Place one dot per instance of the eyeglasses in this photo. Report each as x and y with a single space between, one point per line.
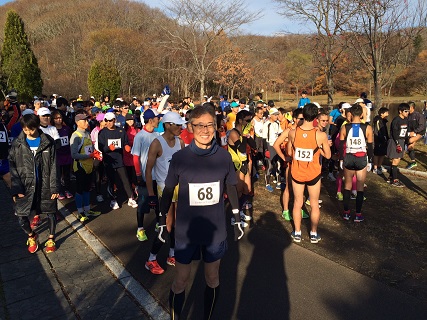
108 120
57 118
174 124
201 126
126 108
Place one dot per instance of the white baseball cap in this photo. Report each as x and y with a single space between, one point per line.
43 111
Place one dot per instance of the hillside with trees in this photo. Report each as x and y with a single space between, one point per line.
201 51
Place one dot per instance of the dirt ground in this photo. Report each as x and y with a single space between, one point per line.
389 246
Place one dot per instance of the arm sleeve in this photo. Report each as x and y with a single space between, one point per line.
137 165
341 149
232 196
370 151
165 203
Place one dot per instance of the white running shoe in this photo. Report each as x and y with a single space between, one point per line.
244 224
114 205
132 203
99 198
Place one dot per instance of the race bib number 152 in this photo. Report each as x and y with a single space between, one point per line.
204 194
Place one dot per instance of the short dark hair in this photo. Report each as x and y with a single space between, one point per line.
61 102
402 107
30 121
356 110
200 111
242 115
310 112
297 112
382 110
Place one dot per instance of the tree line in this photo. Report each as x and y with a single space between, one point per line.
122 47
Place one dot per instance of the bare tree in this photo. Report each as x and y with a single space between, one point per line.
328 17
379 34
200 27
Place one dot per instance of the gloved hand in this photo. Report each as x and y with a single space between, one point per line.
91 155
97 155
399 149
267 154
238 231
128 148
153 202
369 167
341 164
112 147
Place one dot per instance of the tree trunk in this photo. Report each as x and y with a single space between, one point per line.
377 89
330 84
202 86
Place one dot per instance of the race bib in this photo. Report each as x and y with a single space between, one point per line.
354 142
10 140
403 132
2 136
224 140
204 194
304 154
64 141
88 150
117 143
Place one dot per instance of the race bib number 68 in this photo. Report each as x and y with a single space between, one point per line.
204 194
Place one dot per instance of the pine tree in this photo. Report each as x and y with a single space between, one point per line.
19 66
104 76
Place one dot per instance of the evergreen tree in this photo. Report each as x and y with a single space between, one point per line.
104 76
19 67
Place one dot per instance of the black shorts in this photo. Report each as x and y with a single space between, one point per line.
309 183
351 162
185 253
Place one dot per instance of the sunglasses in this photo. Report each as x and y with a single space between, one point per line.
45 115
300 118
109 120
174 124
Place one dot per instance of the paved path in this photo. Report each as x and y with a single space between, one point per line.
98 273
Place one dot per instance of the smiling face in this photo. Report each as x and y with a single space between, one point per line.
203 129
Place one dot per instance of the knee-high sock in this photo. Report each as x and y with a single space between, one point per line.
339 184
176 302
346 199
359 201
412 155
211 296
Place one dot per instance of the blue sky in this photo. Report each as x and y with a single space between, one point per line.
268 25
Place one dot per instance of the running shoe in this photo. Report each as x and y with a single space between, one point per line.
82 217
140 234
269 188
92 213
296 237
346 215
411 165
50 246
154 267
353 196
35 222
114 205
279 186
245 217
375 171
61 196
286 215
380 171
304 214
315 238
132 203
99 198
68 194
340 196
244 224
331 177
307 202
358 217
171 261
32 244
397 183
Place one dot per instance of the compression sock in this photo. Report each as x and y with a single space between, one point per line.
176 302
393 173
359 201
346 198
86 199
211 296
354 183
339 183
79 202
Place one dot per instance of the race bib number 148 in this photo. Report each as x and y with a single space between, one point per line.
204 194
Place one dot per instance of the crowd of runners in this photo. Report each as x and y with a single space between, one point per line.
184 162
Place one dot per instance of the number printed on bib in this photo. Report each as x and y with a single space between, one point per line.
403 132
64 141
204 194
354 141
304 154
2 136
117 143
88 150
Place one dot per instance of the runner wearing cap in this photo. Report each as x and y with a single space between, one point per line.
270 131
139 151
112 141
159 156
231 116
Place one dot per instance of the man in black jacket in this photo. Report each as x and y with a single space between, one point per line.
32 161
